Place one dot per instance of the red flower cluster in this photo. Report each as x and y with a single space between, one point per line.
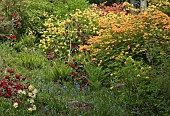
13 37
79 74
18 24
15 18
10 85
50 55
10 71
116 8
1 18
14 15
74 74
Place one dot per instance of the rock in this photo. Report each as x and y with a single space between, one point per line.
82 106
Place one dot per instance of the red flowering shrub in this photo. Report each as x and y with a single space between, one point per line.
9 27
15 88
79 74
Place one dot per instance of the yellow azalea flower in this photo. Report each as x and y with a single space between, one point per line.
56 50
112 57
34 91
30 109
31 101
111 74
19 91
117 58
138 75
94 59
23 92
15 105
111 87
34 107
108 53
126 52
30 94
39 45
33 96
30 88
42 36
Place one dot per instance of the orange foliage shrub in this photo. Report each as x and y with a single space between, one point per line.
127 33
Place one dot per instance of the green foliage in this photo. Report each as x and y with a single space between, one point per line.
60 71
96 1
145 98
8 7
162 5
8 55
25 42
35 12
65 7
8 28
143 87
108 2
95 74
157 52
140 89
12 9
31 60
2 65
28 40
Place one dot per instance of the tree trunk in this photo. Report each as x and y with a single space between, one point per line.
133 2
143 5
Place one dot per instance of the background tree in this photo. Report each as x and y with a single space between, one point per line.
143 5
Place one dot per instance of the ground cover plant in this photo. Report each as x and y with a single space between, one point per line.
74 58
